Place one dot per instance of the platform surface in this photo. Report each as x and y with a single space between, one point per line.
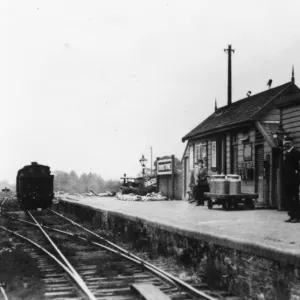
263 229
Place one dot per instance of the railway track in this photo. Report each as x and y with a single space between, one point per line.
3 293
2 202
94 269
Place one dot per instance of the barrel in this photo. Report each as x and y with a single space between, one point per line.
234 182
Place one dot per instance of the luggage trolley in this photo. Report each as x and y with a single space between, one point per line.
226 191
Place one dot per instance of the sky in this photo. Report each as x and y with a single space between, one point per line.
90 85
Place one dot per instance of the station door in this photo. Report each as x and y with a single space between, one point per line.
259 172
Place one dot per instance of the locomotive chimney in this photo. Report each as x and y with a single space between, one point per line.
34 163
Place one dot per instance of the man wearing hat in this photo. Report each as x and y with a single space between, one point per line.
291 169
193 181
191 192
201 183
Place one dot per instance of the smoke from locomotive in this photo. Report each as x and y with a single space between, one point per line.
35 186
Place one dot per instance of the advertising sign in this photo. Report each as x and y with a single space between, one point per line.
164 167
213 154
248 151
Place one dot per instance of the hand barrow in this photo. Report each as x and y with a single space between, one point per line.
228 201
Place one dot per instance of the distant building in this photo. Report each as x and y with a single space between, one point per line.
238 139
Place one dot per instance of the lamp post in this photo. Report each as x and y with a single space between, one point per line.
279 137
143 163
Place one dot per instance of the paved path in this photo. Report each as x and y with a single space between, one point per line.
263 229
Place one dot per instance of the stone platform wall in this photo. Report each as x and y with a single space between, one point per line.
241 273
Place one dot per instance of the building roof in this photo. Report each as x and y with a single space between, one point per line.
237 113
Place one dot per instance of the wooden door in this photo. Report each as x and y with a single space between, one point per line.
259 172
275 192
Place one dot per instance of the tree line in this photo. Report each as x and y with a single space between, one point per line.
72 183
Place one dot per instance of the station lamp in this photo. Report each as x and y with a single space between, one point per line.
143 163
280 135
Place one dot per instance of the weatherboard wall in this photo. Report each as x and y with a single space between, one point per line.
291 123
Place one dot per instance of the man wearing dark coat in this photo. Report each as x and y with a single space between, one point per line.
291 170
193 178
201 183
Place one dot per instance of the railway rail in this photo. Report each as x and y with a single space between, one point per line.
90 279
2 293
2 202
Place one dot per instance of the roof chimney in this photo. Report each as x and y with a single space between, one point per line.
293 75
229 50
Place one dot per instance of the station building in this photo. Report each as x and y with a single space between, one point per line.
239 139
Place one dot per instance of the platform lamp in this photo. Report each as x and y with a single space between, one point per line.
279 137
143 163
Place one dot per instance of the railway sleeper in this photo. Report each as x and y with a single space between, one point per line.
59 294
54 275
55 280
58 286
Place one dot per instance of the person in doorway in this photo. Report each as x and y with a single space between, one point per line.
291 170
201 183
193 178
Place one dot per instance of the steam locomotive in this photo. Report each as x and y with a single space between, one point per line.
35 187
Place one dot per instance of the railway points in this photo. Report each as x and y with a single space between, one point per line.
245 247
225 230
86 263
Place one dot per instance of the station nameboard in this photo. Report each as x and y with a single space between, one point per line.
164 167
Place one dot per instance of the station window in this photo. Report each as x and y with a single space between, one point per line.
201 151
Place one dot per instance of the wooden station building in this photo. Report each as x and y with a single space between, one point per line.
239 139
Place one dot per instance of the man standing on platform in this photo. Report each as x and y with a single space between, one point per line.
193 182
291 170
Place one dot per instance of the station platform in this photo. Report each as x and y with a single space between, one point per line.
261 232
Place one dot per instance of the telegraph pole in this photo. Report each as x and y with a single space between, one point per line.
229 50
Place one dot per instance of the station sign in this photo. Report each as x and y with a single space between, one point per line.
164 167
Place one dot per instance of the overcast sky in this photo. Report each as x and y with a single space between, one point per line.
91 85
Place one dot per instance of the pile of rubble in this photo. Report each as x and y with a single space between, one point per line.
149 197
107 194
